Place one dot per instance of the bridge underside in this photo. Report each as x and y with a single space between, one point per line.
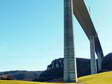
81 13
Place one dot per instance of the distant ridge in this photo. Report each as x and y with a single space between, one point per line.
54 70
102 78
21 75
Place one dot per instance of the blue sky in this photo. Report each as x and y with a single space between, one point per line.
31 32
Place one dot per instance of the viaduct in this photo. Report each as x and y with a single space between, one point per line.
79 10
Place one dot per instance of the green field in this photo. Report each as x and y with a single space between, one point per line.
102 78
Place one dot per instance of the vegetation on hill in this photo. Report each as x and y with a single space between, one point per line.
54 71
20 75
107 63
102 78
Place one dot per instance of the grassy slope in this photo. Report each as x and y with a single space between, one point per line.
102 78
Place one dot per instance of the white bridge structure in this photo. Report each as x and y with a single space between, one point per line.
79 10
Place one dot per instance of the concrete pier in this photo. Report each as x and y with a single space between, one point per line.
99 61
99 53
69 60
92 53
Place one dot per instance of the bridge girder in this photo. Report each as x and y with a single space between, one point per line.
82 15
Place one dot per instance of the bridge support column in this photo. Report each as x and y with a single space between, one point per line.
69 60
99 61
92 53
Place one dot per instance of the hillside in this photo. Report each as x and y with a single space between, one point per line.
102 78
55 70
20 75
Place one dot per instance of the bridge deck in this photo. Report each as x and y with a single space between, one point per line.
81 13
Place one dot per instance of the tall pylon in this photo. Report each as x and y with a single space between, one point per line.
69 59
92 53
